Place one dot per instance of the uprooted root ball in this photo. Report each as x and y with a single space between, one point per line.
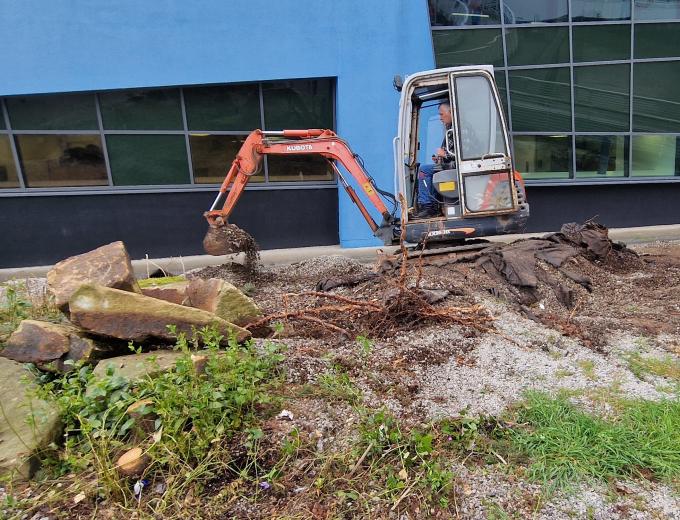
401 309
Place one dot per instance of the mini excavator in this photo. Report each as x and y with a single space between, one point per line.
479 193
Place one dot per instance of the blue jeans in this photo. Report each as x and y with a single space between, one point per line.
427 196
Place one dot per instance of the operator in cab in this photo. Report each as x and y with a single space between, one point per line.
428 203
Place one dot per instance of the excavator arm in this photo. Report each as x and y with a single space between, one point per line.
324 143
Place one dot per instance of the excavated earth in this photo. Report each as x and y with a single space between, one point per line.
624 301
574 329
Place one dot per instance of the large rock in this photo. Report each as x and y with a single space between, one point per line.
130 316
175 292
223 299
48 345
108 266
27 423
138 366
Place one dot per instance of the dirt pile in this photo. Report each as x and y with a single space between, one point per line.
228 239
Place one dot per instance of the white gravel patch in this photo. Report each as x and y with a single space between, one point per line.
538 359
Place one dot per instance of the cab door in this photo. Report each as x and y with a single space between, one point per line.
482 146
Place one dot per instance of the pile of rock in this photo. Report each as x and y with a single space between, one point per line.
104 309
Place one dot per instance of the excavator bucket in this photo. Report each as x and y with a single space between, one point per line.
225 239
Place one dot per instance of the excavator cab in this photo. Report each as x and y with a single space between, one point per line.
477 191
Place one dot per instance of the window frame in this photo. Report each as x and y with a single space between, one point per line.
23 189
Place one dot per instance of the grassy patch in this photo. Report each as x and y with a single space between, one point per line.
587 366
17 305
164 280
565 444
668 366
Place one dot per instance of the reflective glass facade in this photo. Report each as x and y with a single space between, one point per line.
590 86
157 137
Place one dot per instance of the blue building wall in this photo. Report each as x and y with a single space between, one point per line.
73 45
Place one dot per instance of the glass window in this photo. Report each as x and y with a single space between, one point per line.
480 127
601 42
141 110
298 104
2 119
488 192
294 168
657 9
62 160
537 45
657 40
530 11
601 156
212 155
8 171
602 98
231 107
540 157
656 155
464 12
147 159
499 76
593 10
473 47
53 112
541 100
656 97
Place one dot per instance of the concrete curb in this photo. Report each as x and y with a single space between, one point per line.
179 265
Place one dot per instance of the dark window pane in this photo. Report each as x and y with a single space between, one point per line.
657 40
601 156
298 168
536 45
212 155
464 12
2 119
602 98
229 107
528 11
468 47
656 155
62 160
147 159
141 110
593 10
540 100
53 112
499 76
298 104
543 156
8 171
656 97
657 9
601 42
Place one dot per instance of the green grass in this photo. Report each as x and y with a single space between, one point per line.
564 444
587 366
641 366
165 280
18 305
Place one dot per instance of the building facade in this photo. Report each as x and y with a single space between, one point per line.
118 121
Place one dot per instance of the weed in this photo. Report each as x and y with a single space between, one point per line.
248 289
563 372
366 346
587 366
566 444
336 385
668 366
494 511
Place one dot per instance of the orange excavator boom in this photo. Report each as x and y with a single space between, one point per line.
324 143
